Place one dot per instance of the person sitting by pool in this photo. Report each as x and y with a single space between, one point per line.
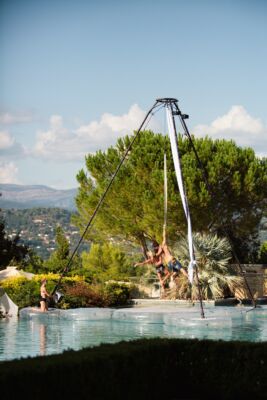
162 272
174 266
44 296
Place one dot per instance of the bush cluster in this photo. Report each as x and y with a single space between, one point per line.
76 292
117 294
25 292
22 291
81 294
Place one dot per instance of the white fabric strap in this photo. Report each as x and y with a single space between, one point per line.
165 191
178 171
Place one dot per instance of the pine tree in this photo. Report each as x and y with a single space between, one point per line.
59 258
133 208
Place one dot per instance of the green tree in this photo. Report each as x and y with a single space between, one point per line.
59 258
133 208
105 262
10 249
33 263
263 253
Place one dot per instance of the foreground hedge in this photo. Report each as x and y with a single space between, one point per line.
144 369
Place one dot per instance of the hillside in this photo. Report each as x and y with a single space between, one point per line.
37 228
29 196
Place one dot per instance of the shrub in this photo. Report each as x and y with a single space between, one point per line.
189 369
76 292
117 294
216 278
26 292
22 291
81 294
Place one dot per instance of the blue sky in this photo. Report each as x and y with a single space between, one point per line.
76 75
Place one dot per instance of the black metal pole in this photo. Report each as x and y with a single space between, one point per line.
66 269
182 118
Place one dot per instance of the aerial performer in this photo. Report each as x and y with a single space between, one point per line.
174 266
156 260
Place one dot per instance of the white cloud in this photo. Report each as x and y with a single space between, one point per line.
7 118
58 143
6 141
9 147
237 124
8 173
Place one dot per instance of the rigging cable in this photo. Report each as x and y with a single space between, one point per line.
147 118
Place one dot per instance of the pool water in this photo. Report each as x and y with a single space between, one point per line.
35 333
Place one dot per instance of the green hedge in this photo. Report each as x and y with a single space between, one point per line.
168 369
77 293
25 292
82 294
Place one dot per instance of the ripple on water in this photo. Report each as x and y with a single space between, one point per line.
41 334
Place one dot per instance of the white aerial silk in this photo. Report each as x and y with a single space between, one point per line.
165 196
178 171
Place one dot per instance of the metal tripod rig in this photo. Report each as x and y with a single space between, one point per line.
161 102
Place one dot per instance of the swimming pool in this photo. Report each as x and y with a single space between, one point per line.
35 333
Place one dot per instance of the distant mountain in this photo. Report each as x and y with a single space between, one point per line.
29 196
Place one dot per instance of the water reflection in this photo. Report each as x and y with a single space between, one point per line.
42 339
43 336
8 337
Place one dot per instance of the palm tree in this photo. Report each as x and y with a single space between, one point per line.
216 277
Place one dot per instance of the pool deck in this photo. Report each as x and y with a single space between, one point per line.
143 307
162 302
